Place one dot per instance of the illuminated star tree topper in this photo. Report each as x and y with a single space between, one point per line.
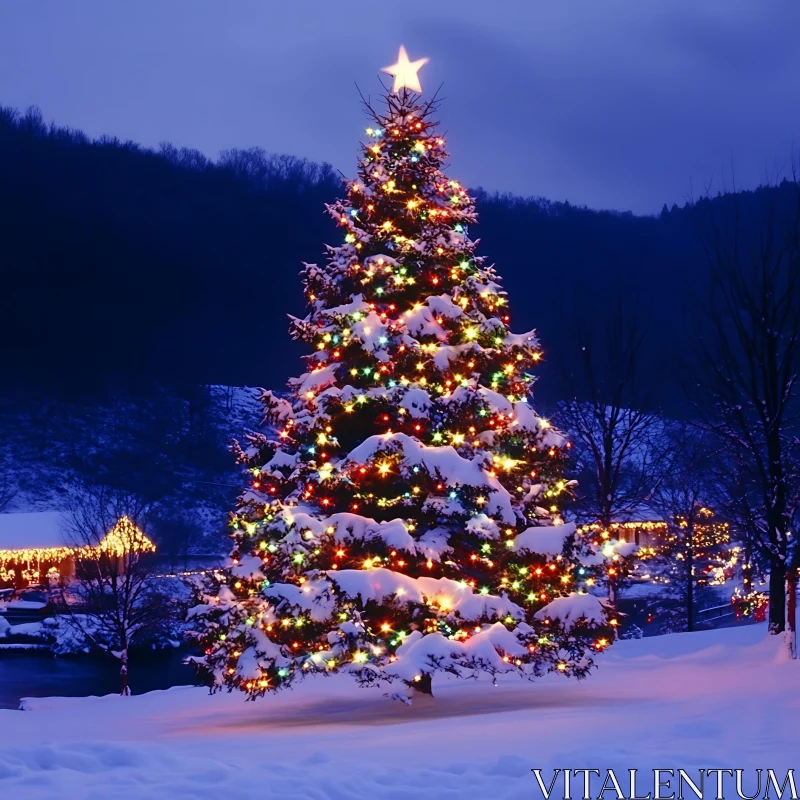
405 72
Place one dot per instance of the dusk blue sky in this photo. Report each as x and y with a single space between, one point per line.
623 105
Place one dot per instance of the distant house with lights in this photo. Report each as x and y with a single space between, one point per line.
649 530
35 549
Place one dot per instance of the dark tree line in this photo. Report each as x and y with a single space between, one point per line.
746 378
741 450
118 260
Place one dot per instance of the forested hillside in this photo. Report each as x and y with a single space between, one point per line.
134 280
118 261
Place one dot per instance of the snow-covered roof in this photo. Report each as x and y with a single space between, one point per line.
32 530
643 513
46 530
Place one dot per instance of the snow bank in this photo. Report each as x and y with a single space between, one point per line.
24 605
420 654
450 596
545 540
668 697
443 462
573 609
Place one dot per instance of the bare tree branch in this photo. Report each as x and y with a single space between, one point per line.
620 447
115 601
747 364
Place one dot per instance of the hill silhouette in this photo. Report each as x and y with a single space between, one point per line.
123 263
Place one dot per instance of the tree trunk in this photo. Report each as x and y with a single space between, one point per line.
424 685
124 689
747 573
791 609
690 585
612 601
605 522
777 596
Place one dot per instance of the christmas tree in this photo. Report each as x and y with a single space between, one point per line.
403 512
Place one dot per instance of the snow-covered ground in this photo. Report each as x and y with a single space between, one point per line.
718 699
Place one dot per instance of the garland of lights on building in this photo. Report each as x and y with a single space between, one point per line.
707 535
35 563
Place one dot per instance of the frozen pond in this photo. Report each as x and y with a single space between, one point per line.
33 675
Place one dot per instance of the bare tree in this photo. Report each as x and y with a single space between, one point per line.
7 489
115 601
738 500
747 373
7 493
695 542
618 441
